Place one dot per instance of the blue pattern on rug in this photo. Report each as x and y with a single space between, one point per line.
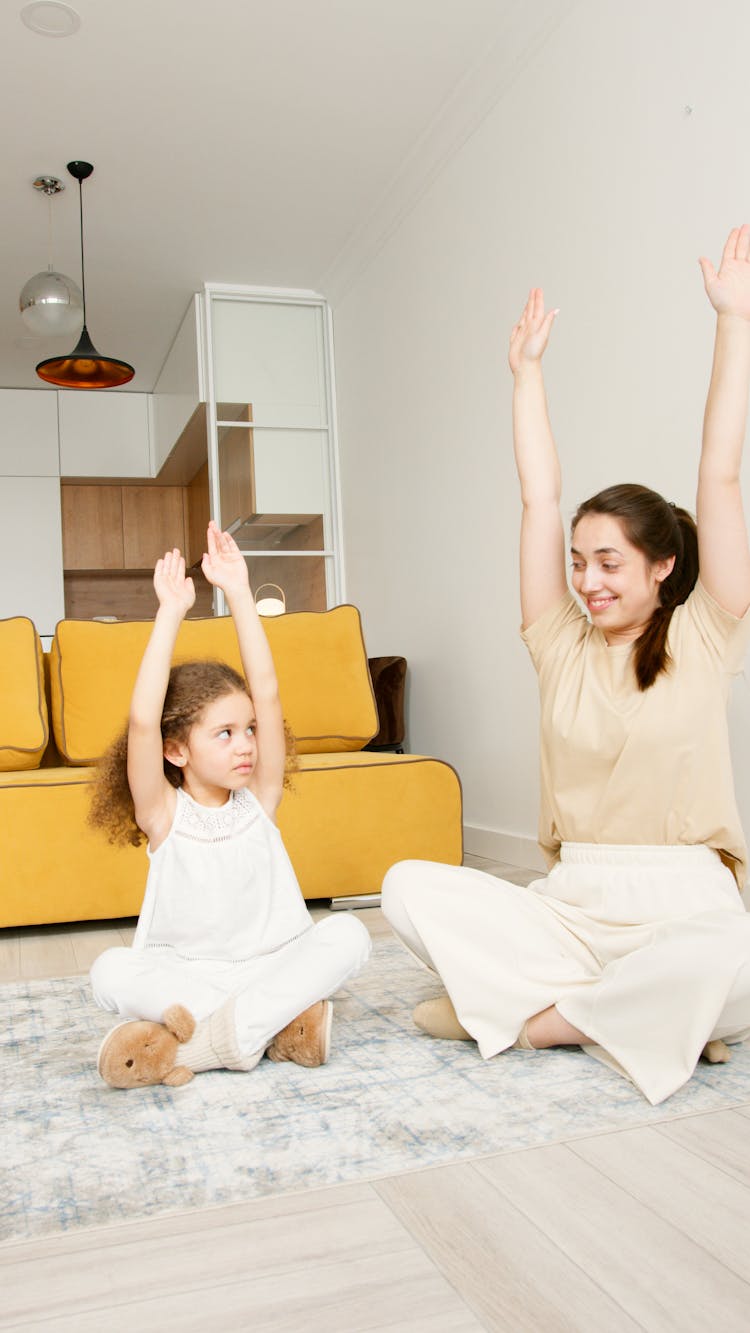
76 1153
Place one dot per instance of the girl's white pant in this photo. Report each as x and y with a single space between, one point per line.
644 949
270 991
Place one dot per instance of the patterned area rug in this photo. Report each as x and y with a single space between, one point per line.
75 1153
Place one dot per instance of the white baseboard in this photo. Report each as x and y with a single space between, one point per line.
513 848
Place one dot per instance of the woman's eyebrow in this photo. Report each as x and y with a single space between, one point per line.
600 550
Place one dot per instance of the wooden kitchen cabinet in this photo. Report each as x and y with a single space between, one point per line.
120 527
112 537
92 527
152 523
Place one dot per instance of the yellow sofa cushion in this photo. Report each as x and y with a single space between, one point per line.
23 708
320 661
324 679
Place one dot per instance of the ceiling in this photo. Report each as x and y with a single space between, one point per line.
242 141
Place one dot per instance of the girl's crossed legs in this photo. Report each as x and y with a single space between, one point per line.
269 991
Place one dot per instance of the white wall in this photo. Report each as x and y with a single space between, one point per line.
590 176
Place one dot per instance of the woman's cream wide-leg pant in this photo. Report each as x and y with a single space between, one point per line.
645 949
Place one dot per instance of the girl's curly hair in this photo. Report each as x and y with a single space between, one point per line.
192 685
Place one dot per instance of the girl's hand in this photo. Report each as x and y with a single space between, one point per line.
530 335
729 289
223 564
173 589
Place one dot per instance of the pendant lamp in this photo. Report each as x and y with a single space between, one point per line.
51 303
84 367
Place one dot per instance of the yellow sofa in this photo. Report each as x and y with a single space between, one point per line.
350 814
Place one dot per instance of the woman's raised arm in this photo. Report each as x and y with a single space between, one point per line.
543 581
722 532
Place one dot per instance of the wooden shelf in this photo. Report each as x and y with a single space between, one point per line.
125 594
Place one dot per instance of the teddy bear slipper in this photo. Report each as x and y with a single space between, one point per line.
140 1053
307 1039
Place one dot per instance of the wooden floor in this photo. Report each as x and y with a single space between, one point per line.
638 1229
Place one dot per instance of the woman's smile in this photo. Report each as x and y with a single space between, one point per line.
599 603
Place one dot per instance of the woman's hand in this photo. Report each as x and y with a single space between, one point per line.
729 289
224 564
174 590
531 334
723 548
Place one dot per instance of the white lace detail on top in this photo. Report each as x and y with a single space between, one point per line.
202 823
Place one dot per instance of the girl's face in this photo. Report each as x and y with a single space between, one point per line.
616 582
221 750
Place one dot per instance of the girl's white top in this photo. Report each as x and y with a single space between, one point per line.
221 885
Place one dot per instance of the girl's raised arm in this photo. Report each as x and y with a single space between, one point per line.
722 533
543 581
225 566
153 796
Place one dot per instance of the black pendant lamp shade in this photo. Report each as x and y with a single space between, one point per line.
84 367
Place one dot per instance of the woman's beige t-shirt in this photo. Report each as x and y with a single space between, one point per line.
624 766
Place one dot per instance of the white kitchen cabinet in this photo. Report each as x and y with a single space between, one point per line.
28 433
180 386
104 434
31 550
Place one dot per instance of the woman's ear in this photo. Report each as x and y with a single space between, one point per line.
663 568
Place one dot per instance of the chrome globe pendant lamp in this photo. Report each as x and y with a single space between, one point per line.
51 303
84 367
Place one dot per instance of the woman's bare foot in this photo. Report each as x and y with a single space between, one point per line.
549 1028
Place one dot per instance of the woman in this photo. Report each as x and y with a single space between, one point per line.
636 946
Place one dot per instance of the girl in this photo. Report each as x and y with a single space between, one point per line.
636 946
224 929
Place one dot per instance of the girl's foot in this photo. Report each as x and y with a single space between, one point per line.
438 1019
140 1054
307 1039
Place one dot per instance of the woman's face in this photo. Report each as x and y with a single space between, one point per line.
617 584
